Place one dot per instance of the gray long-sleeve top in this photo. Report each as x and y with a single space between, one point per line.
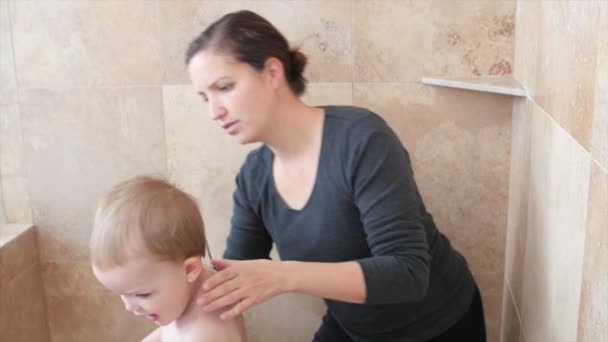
364 206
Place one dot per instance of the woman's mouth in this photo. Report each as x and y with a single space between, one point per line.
230 127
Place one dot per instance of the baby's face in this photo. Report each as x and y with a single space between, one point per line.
149 287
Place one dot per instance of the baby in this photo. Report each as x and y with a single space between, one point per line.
147 246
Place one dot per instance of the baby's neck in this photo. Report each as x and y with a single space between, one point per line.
193 312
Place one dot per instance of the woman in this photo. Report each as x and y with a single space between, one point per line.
333 188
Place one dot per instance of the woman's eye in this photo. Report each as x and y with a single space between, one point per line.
226 88
143 295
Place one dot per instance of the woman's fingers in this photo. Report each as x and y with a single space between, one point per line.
238 309
218 292
224 301
218 278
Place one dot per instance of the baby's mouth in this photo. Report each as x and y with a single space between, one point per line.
152 317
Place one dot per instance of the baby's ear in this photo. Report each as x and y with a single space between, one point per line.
193 267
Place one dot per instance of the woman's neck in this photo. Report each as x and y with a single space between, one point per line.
296 128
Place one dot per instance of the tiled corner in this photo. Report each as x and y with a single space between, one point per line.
18 254
80 309
385 51
23 298
459 142
471 38
510 327
324 34
182 21
593 319
7 62
85 140
558 188
491 285
86 43
599 134
566 64
518 196
527 20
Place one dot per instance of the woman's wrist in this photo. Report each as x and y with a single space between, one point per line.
289 276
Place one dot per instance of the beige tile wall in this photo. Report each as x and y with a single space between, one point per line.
558 205
23 315
97 92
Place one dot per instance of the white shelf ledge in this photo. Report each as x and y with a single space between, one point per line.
505 85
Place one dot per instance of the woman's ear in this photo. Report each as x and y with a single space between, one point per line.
193 267
275 72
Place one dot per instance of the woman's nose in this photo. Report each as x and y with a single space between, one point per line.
216 109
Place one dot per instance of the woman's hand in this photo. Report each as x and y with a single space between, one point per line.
241 285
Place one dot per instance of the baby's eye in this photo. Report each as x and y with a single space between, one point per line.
143 295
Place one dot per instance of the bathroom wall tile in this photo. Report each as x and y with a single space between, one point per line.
17 255
491 296
318 94
394 48
558 188
23 299
269 323
80 309
471 38
11 143
459 142
519 174
599 134
528 15
510 328
7 62
16 199
593 319
84 43
324 32
182 21
566 64
79 143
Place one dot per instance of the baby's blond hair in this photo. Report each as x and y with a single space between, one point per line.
146 216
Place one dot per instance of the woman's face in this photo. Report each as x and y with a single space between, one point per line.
238 97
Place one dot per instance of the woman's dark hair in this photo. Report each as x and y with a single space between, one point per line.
251 39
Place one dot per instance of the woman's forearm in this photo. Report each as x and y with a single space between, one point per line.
343 281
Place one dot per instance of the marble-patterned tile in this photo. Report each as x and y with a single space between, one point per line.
11 143
23 298
80 142
459 142
7 63
17 255
80 309
395 47
323 31
599 134
182 21
318 94
491 288
471 38
510 328
518 196
593 319
558 188
16 199
526 43
86 43
566 64
269 323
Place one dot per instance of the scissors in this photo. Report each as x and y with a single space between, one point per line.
209 254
